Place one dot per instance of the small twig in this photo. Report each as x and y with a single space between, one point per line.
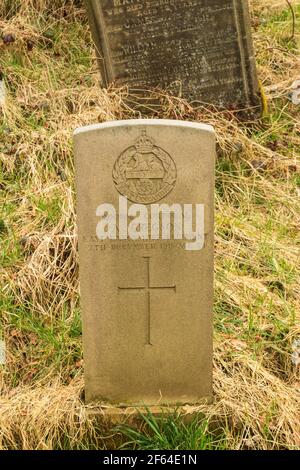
293 17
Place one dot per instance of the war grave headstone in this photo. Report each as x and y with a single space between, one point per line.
145 210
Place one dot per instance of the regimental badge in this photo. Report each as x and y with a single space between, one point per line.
144 173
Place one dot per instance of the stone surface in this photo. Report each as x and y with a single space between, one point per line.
146 304
111 416
200 49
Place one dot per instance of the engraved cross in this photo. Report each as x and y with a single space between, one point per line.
147 289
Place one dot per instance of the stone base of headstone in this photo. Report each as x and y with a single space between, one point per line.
111 416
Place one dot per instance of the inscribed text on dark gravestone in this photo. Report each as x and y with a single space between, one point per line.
198 49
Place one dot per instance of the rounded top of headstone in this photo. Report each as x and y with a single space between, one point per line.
144 122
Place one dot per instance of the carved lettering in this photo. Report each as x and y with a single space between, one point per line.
203 45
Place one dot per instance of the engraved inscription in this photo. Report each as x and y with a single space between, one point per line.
147 289
144 173
198 49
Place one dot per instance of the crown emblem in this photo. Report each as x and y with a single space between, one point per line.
144 144
144 172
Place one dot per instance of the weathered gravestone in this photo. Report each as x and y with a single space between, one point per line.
145 218
201 49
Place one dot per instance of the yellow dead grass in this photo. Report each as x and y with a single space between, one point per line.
256 386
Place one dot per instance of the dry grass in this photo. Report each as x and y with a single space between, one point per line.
52 87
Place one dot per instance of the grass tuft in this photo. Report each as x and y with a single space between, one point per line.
172 433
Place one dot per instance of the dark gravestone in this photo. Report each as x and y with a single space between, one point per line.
198 49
